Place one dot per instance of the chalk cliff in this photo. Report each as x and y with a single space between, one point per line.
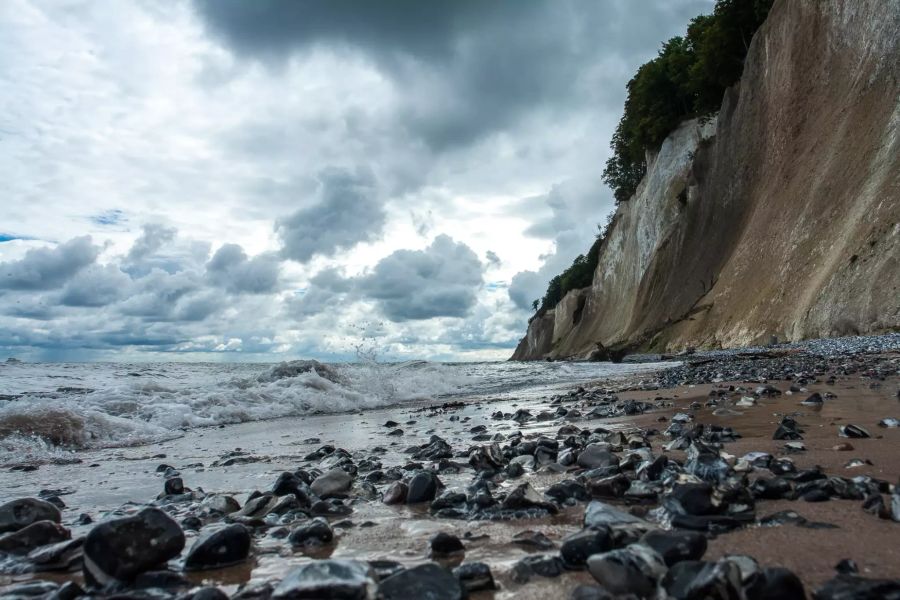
779 217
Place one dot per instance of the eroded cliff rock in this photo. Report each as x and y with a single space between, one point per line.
781 217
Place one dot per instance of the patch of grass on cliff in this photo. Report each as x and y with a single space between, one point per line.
687 79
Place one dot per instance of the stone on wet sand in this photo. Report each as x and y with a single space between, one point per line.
219 548
396 493
16 514
851 587
173 486
424 582
600 513
776 583
335 482
596 455
331 579
221 503
577 547
422 488
853 431
635 569
444 543
40 533
536 564
676 546
474 577
120 549
314 532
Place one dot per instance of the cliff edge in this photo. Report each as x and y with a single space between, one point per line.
779 217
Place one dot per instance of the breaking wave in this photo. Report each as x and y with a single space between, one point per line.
49 411
135 408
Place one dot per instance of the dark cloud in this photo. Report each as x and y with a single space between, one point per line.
492 258
439 281
96 286
231 269
48 268
349 211
467 68
154 237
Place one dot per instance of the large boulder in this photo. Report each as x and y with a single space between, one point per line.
17 514
328 580
120 549
219 548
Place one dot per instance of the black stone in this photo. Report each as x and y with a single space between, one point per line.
536 564
173 486
316 531
121 549
445 543
422 488
424 582
576 548
35 535
676 546
475 577
222 547
16 514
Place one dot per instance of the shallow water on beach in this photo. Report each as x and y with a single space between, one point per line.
48 410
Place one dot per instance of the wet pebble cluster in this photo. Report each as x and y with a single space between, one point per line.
647 514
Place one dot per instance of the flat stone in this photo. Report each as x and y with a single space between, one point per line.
120 549
219 548
40 533
17 514
330 579
335 482
314 532
635 569
424 582
676 546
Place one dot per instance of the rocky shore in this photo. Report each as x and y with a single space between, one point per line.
770 474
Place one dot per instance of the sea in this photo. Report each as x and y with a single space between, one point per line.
48 411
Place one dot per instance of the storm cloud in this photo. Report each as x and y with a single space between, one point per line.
48 268
278 178
348 212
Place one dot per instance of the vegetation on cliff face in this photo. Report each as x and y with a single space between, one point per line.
687 79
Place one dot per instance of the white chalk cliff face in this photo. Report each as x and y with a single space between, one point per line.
781 217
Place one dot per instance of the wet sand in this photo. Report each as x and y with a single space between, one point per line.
106 479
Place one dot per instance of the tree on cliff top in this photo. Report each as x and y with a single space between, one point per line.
687 79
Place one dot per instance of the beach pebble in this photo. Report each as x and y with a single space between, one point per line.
173 486
422 488
635 569
443 544
851 587
221 503
332 578
16 514
536 564
576 548
424 582
331 483
852 431
676 546
35 535
596 455
474 577
314 532
396 493
120 549
219 548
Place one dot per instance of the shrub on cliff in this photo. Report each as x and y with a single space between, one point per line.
687 79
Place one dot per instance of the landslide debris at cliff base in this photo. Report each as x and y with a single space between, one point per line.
781 217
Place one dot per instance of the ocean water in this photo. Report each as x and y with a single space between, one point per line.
49 411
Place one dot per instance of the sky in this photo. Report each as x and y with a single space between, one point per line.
274 179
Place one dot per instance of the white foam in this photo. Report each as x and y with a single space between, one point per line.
128 405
